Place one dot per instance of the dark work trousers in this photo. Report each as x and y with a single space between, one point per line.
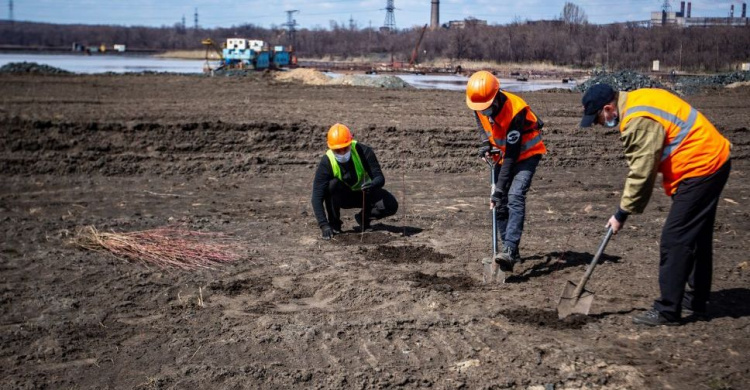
686 244
511 216
379 203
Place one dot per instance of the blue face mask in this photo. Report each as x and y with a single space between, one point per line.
342 158
612 123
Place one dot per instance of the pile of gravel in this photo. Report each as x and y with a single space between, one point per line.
31 67
690 85
391 82
624 80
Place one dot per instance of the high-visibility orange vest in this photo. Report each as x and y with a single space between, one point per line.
692 145
531 137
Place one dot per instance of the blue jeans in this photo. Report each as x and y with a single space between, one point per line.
510 217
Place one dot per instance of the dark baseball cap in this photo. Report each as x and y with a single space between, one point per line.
595 98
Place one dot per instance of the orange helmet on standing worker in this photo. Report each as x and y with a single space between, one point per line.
481 90
339 136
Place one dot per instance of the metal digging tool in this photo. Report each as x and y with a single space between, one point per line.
576 299
488 263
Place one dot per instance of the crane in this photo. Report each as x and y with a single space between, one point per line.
415 52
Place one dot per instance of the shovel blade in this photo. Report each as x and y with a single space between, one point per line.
490 270
570 304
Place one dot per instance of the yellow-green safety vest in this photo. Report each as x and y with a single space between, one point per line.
362 176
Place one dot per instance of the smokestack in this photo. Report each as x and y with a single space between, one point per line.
682 9
690 6
731 11
435 16
744 10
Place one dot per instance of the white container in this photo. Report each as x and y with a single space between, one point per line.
237 43
655 66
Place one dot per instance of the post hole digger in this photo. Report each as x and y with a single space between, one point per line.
489 264
575 298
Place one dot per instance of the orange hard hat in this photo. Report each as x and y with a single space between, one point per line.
339 136
481 90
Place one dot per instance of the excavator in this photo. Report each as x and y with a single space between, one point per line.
211 45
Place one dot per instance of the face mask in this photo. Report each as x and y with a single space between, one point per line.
612 123
342 158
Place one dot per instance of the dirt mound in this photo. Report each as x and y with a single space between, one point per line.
442 283
31 67
546 318
404 254
304 75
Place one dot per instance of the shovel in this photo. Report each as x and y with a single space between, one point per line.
575 298
488 263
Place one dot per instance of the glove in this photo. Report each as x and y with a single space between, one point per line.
484 149
326 232
499 198
366 186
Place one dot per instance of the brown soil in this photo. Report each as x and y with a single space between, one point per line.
403 305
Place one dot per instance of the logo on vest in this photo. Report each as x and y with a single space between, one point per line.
514 136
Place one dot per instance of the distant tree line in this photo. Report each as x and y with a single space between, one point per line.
568 41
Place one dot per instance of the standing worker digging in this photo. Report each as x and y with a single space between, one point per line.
661 132
507 123
346 171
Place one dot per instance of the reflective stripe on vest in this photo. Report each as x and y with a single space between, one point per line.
685 126
358 167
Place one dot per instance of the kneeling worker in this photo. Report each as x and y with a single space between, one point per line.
346 170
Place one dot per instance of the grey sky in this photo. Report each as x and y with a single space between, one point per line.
225 13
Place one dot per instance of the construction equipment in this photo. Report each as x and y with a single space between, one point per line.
211 45
255 54
575 298
415 52
489 265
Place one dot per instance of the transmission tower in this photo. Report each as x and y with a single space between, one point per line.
195 19
666 7
390 19
10 10
291 23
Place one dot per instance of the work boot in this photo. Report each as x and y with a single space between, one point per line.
689 310
335 226
358 218
507 258
653 318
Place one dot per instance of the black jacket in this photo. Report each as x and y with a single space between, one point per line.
324 174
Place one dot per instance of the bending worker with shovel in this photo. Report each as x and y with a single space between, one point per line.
506 122
661 132
349 175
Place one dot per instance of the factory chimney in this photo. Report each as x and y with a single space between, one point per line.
682 9
690 6
435 16
744 10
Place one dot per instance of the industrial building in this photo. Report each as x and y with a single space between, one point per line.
684 17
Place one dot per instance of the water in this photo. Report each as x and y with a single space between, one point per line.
80 63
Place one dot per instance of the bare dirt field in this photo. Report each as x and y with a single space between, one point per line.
403 306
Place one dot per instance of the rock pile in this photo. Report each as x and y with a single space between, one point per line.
31 67
624 80
690 85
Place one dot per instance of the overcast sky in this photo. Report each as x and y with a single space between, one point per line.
312 14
